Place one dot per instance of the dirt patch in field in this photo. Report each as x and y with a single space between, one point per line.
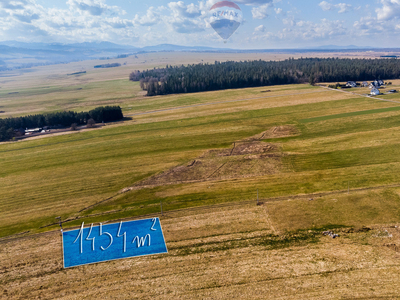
277 132
253 148
244 159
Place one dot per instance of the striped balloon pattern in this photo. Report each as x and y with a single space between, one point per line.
225 18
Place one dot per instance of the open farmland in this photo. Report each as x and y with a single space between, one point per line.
214 254
63 175
320 159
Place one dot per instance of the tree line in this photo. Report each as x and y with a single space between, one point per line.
58 119
229 75
108 65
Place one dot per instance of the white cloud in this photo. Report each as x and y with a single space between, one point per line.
187 26
186 19
26 17
261 12
390 9
186 22
84 20
385 22
12 5
179 9
117 23
25 11
151 18
260 28
176 17
300 30
208 3
341 7
325 6
93 7
289 21
253 2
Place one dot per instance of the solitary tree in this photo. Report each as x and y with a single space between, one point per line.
90 123
311 80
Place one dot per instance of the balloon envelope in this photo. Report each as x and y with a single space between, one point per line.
225 18
225 28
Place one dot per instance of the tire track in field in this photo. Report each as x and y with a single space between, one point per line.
269 221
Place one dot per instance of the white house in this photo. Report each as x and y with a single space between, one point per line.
375 92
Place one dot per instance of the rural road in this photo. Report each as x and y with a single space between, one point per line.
361 95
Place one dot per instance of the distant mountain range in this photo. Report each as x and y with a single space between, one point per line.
23 55
15 54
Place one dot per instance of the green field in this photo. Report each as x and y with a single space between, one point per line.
341 138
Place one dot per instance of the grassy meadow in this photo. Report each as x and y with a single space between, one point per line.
335 167
342 137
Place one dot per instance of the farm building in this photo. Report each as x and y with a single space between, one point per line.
351 84
375 92
34 130
377 83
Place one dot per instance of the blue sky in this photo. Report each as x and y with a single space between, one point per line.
266 23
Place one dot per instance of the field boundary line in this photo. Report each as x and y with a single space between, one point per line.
234 145
269 221
195 208
100 202
217 170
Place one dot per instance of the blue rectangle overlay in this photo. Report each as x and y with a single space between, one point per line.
112 241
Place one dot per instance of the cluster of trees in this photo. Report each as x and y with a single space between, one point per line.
228 75
108 66
77 73
63 119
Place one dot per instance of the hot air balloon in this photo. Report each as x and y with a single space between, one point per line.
225 18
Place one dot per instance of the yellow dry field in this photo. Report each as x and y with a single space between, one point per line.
215 254
220 103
